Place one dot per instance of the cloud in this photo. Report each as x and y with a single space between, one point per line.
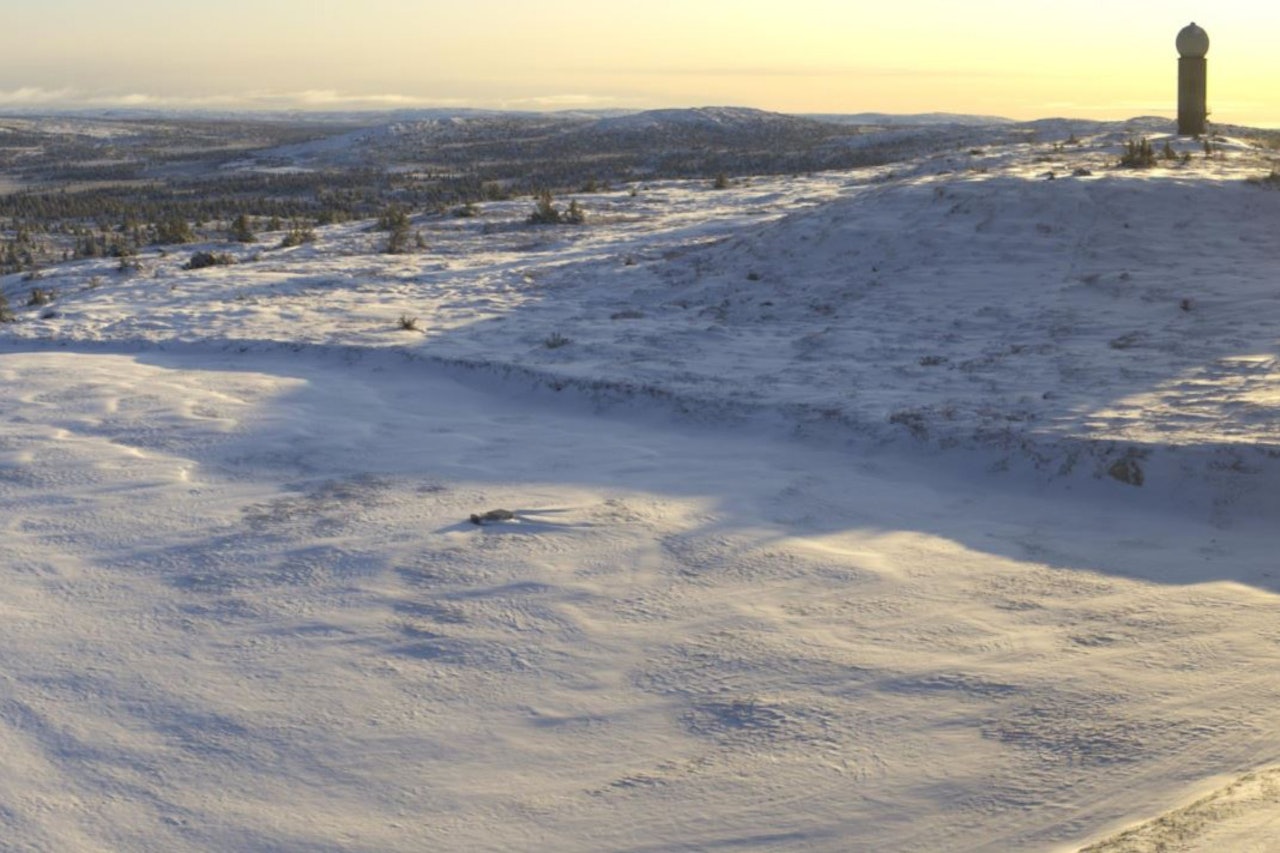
141 100
799 71
32 98
34 95
561 102
330 99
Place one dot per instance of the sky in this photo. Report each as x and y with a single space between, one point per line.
1023 59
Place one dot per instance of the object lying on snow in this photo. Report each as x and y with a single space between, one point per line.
493 515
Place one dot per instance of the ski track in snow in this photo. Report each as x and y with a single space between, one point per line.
244 607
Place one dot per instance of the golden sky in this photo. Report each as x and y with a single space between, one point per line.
1025 59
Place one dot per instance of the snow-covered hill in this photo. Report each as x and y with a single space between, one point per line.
726 120
920 507
567 149
912 119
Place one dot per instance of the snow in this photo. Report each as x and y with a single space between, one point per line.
706 118
66 126
1239 816
822 538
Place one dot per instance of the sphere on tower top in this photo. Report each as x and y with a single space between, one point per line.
1193 42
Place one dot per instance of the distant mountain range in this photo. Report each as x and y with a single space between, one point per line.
725 116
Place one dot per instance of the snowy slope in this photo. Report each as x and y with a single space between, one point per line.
725 120
911 509
967 299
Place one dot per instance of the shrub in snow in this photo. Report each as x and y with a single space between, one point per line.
494 191
1127 471
393 218
493 515
299 233
397 242
555 340
545 211
242 231
172 231
200 260
914 422
6 315
1138 154
39 296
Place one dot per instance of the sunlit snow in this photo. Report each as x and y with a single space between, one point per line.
923 507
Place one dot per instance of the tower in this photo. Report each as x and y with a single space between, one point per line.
1193 44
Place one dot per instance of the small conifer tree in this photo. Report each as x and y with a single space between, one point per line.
398 239
242 230
300 232
393 218
173 230
545 211
1138 154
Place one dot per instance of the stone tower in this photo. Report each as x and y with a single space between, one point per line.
1193 88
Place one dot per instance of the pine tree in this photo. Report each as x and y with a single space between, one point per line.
545 211
242 230
173 230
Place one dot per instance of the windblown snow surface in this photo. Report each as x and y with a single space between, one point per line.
925 507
